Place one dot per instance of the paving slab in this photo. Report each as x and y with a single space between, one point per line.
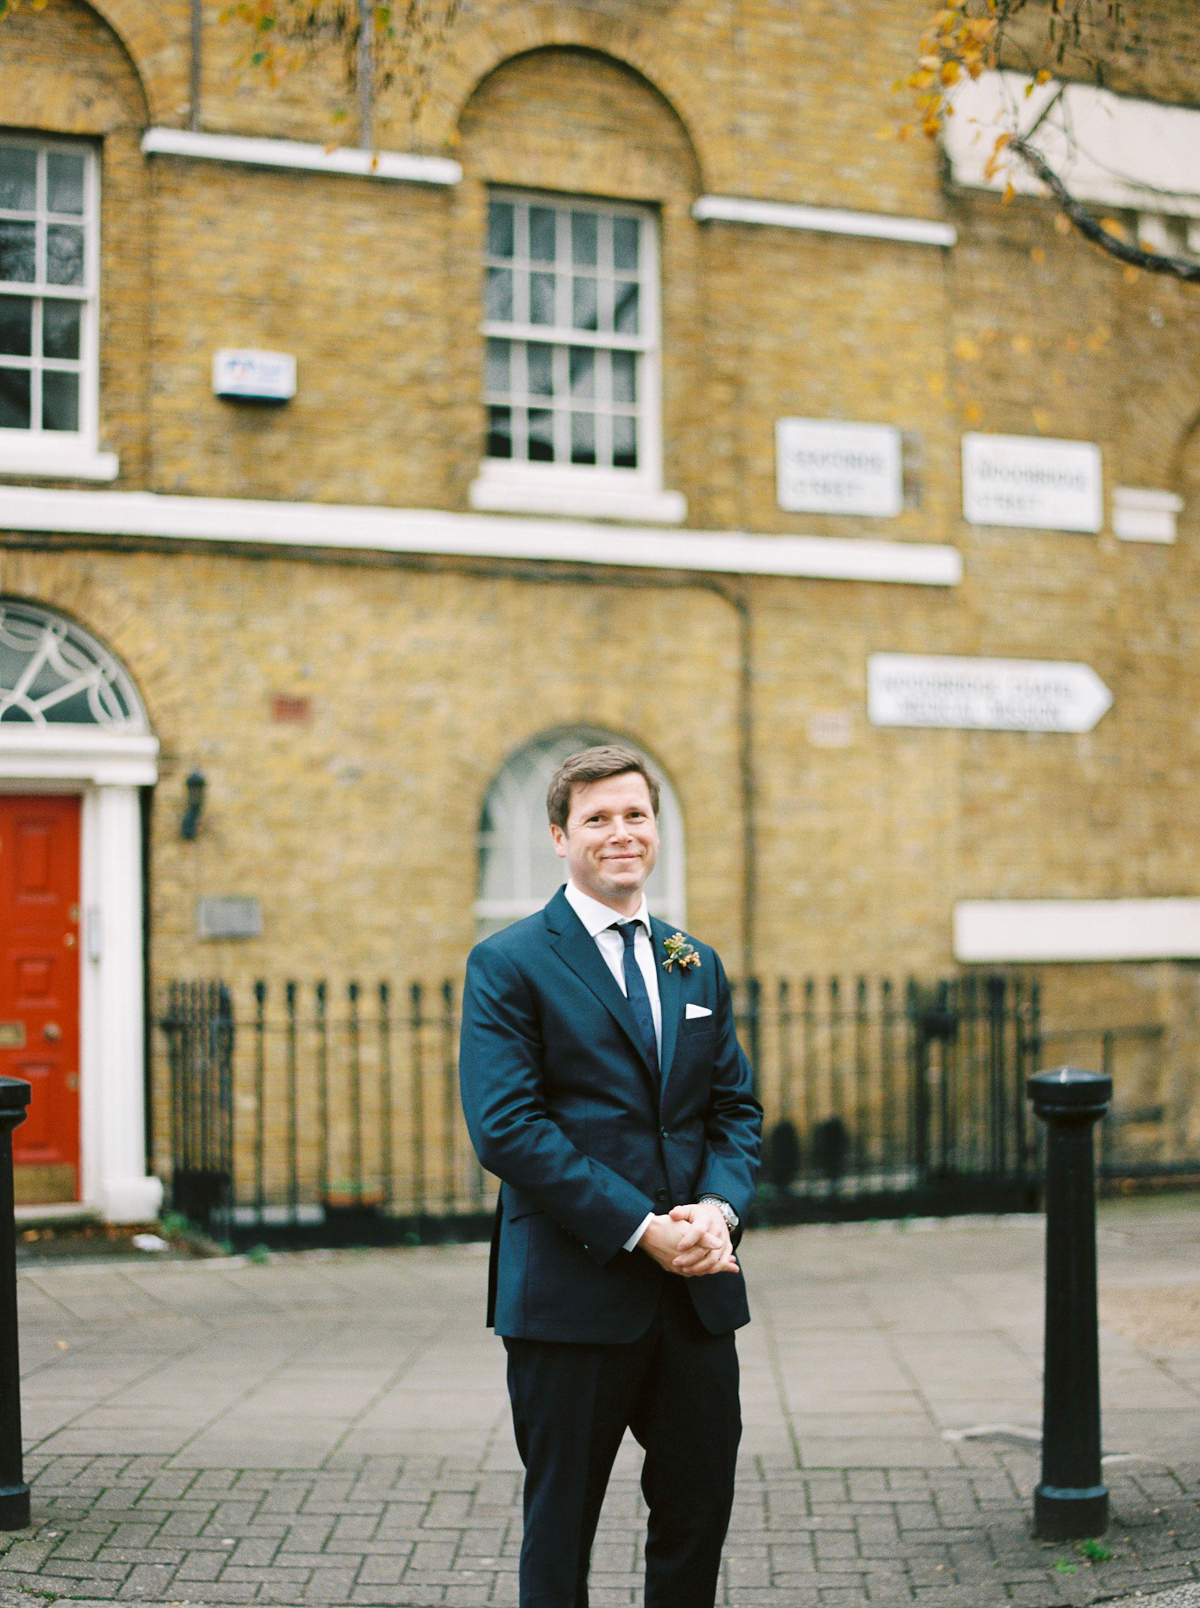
332 1428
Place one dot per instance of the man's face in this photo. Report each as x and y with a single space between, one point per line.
611 841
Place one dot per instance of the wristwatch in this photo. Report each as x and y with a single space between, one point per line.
732 1220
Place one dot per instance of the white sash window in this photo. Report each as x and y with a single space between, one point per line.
49 273
571 365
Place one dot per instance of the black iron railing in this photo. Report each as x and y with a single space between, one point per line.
328 1110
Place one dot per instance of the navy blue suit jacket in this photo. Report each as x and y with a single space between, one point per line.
563 1107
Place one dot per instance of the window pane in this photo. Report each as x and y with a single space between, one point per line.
583 371
64 254
64 182
16 325
541 234
541 435
500 229
541 298
583 239
60 401
499 441
624 443
625 244
499 298
625 308
14 399
624 377
60 329
498 366
583 304
17 256
540 369
583 438
18 178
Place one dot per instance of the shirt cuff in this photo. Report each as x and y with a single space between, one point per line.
632 1242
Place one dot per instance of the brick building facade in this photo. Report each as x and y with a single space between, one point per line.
527 486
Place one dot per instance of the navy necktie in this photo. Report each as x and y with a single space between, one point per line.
638 994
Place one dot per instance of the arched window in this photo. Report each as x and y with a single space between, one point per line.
518 868
52 672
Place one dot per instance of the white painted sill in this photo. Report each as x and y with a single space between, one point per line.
53 459
580 494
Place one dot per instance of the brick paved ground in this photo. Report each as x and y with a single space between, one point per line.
333 1428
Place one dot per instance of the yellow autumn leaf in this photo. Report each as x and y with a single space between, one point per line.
951 72
1114 227
886 131
1131 275
966 349
972 413
1042 419
1037 255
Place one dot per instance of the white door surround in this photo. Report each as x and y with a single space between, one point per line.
105 761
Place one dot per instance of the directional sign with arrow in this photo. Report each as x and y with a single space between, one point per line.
906 689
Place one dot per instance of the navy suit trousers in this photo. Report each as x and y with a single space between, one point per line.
677 1388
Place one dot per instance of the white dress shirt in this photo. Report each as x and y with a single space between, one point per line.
599 920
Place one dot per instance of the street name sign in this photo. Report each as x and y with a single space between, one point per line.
905 689
1032 483
825 467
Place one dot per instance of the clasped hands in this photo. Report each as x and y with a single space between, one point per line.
691 1241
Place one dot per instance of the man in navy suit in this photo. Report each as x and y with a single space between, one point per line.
604 1085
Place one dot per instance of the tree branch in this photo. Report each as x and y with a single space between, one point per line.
1151 261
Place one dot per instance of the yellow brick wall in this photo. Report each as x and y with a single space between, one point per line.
358 829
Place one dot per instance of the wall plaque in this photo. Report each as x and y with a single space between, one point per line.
254 376
906 689
826 467
1032 482
228 916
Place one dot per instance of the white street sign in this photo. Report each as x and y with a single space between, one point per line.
905 689
1031 482
825 467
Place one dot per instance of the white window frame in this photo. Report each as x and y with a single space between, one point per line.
517 486
64 454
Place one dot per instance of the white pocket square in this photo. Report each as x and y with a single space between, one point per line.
690 1010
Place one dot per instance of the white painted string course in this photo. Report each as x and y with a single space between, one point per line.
421 530
824 220
397 166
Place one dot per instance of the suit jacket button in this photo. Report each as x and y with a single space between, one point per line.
665 1134
661 1197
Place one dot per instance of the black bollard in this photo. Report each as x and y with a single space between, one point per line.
14 1493
1071 1502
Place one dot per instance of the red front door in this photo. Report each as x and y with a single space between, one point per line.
39 988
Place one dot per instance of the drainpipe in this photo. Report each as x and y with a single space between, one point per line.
194 72
365 73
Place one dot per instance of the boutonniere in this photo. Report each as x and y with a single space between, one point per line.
679 951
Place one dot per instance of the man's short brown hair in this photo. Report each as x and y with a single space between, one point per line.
595 765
